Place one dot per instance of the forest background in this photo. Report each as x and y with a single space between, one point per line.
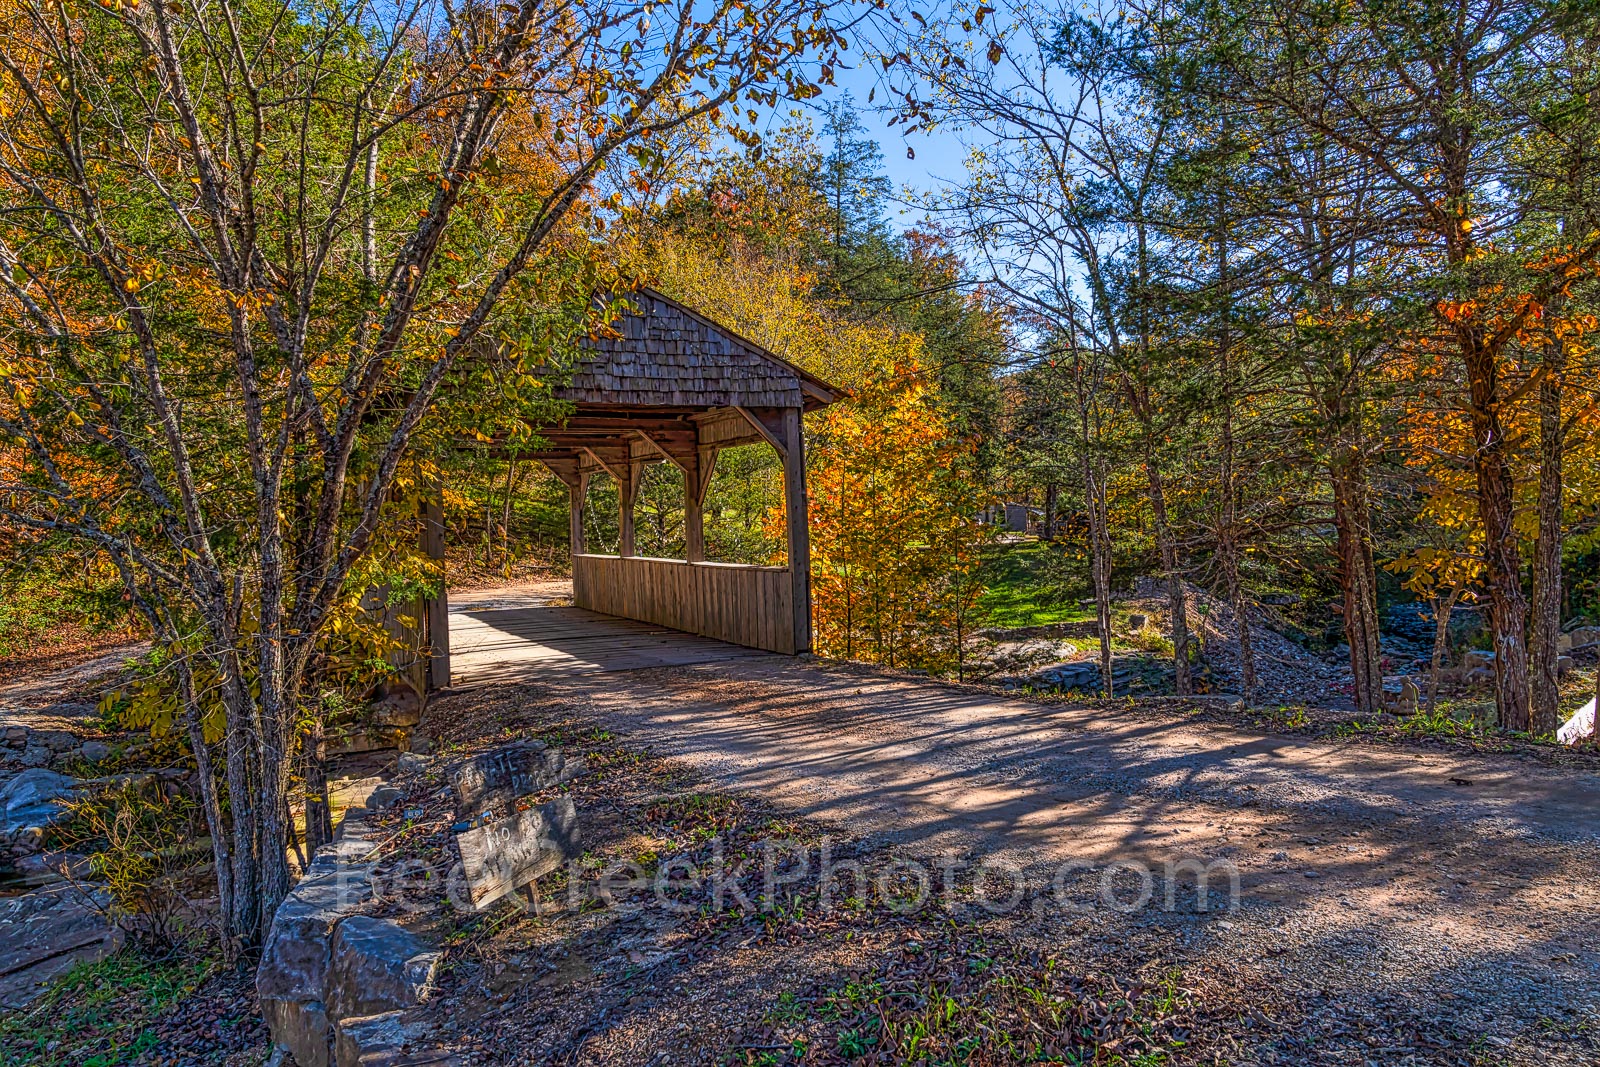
1289 301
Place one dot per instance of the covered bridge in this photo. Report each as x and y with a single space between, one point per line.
671 386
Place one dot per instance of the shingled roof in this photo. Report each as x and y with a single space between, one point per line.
664 355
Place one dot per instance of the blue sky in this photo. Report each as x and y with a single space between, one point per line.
939 156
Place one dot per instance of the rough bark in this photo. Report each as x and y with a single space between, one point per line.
1177 603
1545 690
1100 562
1357 575
1508 604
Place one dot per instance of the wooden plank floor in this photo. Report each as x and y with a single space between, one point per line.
512 639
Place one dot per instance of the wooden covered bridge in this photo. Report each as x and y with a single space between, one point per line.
671 386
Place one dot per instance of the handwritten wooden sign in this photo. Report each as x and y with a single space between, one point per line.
501 857
502 775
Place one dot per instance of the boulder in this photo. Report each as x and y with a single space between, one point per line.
297 953
359 739
1564 665
1138 622
400 708
57 864
1580 728
1477 659
14 736
387 1040
44 934
33 801
95 751
409 763
57 741
36 755
384 797
333 984
1583 635
377 966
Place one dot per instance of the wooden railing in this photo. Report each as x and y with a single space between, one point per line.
734 602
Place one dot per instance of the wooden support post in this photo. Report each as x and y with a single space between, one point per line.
798 521
627 488
694 524
577 498
438 607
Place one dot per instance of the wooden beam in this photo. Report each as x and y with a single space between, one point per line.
694 515
797 519
706 459
627 489
768 422
678 450
577 501
614 459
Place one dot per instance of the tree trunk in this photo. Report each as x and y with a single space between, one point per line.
1228 547
1441 637
211 805
1508 604
1546 692
1177 603
1358 576
241 796
1100 563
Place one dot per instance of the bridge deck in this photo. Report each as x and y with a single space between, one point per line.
508 636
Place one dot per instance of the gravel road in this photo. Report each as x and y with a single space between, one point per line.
1379 885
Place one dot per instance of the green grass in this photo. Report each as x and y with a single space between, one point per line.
99 1014
1024 586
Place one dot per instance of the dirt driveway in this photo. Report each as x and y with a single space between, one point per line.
1461 891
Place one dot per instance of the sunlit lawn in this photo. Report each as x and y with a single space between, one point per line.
1020 591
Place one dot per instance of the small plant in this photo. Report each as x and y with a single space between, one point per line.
143 846
1439 722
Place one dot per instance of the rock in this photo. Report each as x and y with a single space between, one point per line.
384 797
1580 728
1477 659
421 744
1564 665
57 741
400 708
378 966
387 1040
1138 622
1583 635
1563 644
95 751
36 755
32 801
356 740
68 864
1478 676
333 985
409 763
294 970
14 736
44 934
